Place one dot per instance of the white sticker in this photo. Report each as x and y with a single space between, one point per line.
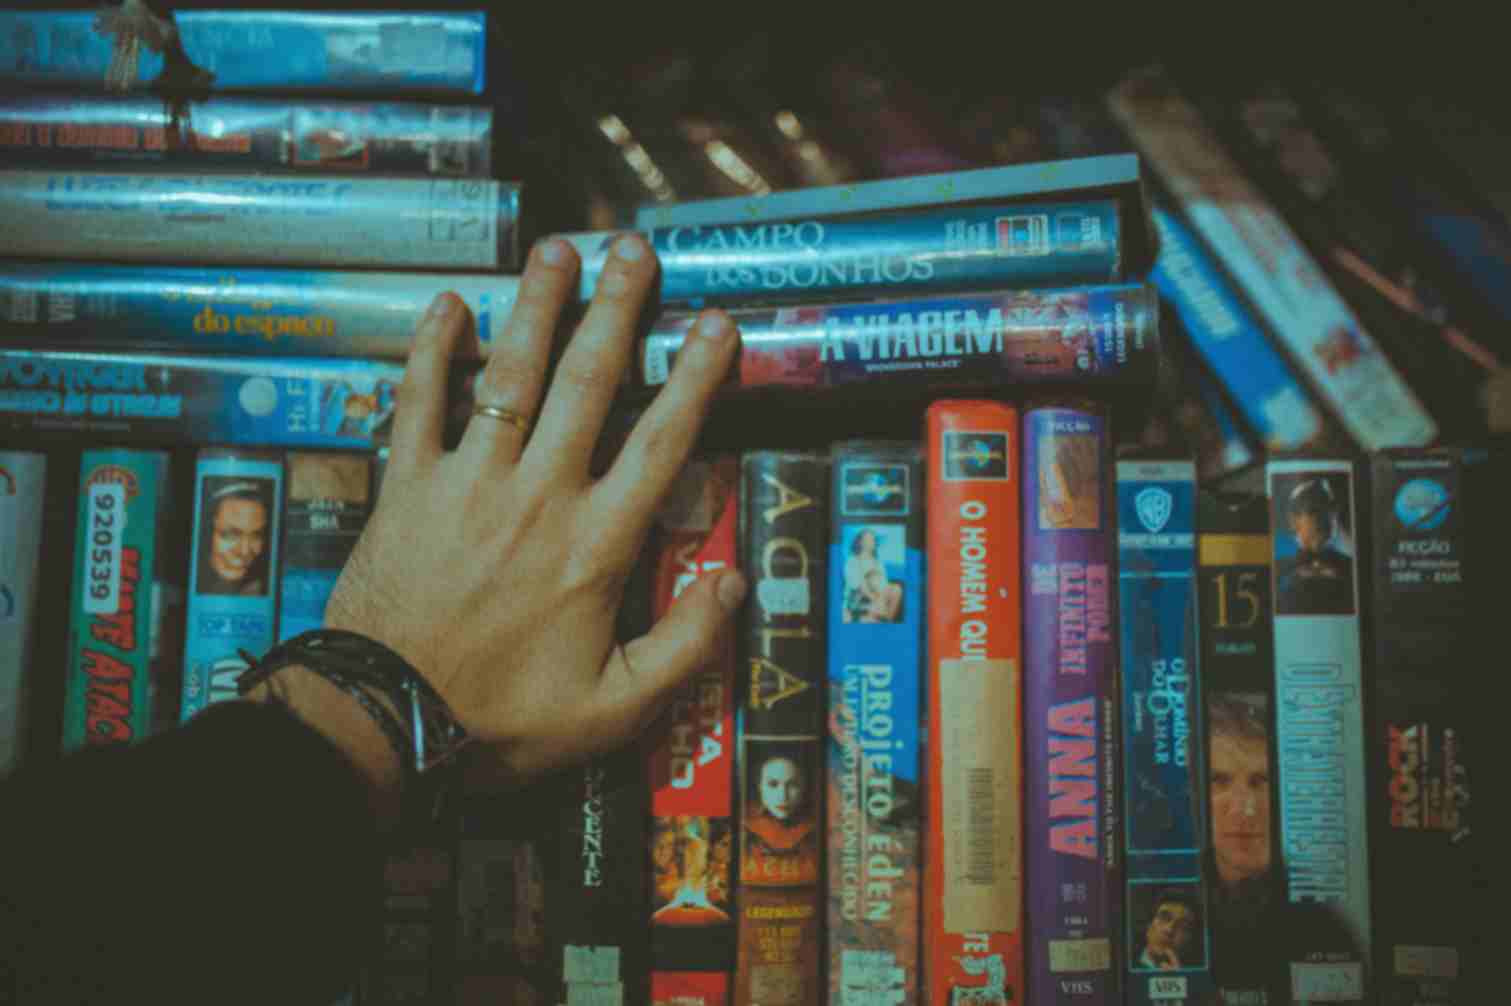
784 595
104 524
590 965
1328 983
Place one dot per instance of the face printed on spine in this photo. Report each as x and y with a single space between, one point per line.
782 788
1240 797
238 537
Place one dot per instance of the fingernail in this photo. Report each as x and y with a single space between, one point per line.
630 248
441 307
554 252
715 326
731 590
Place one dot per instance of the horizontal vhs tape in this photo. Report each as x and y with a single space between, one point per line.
292 312
330 221
197 400
254 49
389 137
1100 335
936 249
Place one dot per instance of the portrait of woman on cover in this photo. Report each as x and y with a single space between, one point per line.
781 838
870 596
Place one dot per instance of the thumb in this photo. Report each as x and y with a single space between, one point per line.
641 676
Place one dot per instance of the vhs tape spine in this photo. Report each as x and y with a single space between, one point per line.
22 499
997 184
784 515
244 311
951 248
597 943
180 399
367 52
1238 686
326 504
109 691
233 570
250 219
875 686
1319 717
389 137
691 763
1232 342
1102 335
1431 519
973 850
1073 850
1321 333
1165 829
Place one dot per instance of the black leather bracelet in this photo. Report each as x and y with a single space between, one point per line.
417 723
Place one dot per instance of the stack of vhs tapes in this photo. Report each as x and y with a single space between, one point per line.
1079 452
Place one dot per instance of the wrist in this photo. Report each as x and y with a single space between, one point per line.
337 715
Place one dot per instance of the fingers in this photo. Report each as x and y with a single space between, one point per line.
420 414
592 366
510 383
641 676
658 447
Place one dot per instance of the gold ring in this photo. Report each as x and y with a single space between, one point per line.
514 419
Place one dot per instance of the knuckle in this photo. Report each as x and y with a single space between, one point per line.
593 377
503 377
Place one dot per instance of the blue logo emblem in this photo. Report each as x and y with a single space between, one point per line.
1154 507
1422 505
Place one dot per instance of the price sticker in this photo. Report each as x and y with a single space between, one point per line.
105 526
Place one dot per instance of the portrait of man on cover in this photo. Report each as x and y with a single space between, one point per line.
1171 927
235 530
1314 570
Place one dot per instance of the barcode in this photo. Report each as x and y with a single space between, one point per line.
981 827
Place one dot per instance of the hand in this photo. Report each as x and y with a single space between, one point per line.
496 569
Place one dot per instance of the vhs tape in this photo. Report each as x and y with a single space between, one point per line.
328 499
1319 720
1073 852
920 250
1166 955
875 801
381 137
367 51
119 587
784 518
330 221
235 310
203 400
1104 335
690 763
233 572
973 890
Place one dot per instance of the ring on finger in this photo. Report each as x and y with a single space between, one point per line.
514 419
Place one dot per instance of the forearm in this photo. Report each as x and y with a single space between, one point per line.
235 858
